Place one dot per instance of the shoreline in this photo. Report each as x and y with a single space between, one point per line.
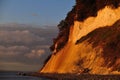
73 76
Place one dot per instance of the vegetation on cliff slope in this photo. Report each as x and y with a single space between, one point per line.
81 11
98 51
108 38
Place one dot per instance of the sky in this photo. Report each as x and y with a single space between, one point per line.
23 46
35 12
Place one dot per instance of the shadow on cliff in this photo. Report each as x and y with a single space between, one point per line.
108 38
81 11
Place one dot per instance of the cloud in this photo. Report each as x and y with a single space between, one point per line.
23 54
17 66
13 50
24 36
35 53
25 45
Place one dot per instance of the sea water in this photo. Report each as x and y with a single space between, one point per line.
12 75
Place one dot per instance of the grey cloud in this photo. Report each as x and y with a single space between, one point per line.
26 35
19 36
26 45
35 53
22 54
18 66
13 50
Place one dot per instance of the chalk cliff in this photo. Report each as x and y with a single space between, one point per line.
88 40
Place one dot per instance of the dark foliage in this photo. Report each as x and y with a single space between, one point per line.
52 47
109 39
62 37
62 25
82 10
47 59
86 8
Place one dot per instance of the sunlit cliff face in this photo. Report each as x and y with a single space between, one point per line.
91 39
105 17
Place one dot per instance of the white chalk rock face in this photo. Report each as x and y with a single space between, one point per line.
105 17
89 58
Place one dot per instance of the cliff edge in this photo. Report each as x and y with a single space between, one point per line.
88 40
